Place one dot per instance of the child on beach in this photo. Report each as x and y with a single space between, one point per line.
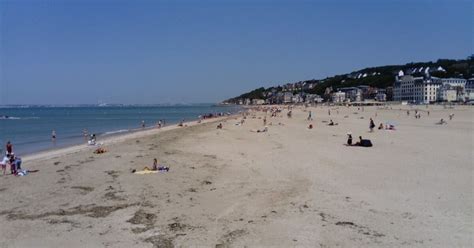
3 164
371 125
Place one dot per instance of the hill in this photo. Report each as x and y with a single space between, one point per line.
379 77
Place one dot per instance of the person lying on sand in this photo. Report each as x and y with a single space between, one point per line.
390 127
441 122
100 150
219 126
381 126
331 123
363 142
265 129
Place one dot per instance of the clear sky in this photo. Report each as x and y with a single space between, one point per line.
71 52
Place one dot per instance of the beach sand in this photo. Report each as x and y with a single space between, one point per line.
230 187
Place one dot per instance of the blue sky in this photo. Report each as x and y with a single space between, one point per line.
59 52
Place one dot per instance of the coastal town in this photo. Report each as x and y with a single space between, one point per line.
416 85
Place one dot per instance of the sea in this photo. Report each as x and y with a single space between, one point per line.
29 128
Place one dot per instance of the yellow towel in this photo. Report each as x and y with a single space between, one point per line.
145 172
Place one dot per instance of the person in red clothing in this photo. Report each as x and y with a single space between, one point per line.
9 147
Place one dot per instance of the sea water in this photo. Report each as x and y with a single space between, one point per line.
30 128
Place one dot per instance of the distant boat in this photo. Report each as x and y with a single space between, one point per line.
102 104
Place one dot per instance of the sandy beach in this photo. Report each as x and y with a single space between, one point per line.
231 187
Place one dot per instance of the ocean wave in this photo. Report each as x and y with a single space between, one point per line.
116 132
9 118
6 117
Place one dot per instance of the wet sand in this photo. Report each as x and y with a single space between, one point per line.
290 186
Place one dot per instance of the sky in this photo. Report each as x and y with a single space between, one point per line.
151 52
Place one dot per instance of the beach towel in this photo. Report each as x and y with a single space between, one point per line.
142 172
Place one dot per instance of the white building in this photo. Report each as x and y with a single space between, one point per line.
416 89
447 93
338 97
258 101
287 97
457 84
469 90
297 99
353 94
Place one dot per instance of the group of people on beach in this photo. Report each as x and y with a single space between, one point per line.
10 159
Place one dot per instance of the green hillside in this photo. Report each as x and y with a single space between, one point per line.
380 77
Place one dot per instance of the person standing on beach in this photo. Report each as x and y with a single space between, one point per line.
309 116
3 164
85 134
53 136
371 125
143 123
9 148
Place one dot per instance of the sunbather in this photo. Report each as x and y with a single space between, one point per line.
100 150
441 122
363 142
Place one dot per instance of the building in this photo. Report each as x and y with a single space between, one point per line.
381 97
287 97
353 94
416 89
447 93
469 90
258 101
338 97
313 98
460 82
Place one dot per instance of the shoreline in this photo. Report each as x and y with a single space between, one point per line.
31 128
115 138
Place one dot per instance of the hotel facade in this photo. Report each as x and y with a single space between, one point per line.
416 89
